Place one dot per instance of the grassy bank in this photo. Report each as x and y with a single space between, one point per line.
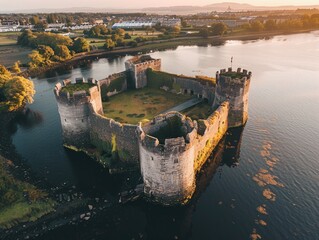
20 201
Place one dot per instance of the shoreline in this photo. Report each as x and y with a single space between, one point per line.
162 45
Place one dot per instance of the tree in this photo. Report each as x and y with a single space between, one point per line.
62 52
127 36
176 29
81 45
204 32
17 92
47 53
25 38
115 37
120 31
219 29
257 26
109 44
37 59
270 25
16 67
34 20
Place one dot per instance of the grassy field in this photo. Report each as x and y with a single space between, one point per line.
200 111
20 201
136 105
12 53
8 38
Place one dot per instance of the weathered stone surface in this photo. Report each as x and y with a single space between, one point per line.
171 148
234 88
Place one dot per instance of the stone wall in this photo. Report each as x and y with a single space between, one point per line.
74 111
115 138
137 67
199 86
114 84
234 88
169 169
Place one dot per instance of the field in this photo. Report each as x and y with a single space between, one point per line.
8 38
12 53
20 201
135 105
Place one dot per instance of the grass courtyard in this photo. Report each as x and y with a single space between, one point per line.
135 105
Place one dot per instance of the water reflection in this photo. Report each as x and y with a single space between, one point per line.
141 220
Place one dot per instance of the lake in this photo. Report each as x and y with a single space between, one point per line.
270 186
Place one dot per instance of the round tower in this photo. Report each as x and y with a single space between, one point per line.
233 86
167 158
75 102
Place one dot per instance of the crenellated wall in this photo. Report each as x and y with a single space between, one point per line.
233 87
170 149
74 110
169 168
113 137
199 86
114 84
137 67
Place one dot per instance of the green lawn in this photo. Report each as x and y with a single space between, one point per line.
20 201
11 53
8 38
71 88
135 105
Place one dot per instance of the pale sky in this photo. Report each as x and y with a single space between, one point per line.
7 5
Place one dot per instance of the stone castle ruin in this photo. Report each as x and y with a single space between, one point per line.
170 149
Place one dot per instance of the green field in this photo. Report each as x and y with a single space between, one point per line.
11 53
20 201
135 105
8 38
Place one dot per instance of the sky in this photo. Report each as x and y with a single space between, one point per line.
36 4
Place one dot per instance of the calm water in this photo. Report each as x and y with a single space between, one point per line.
279 144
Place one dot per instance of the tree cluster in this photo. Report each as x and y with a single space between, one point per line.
51 47
15 91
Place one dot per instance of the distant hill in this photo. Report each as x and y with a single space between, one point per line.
219 7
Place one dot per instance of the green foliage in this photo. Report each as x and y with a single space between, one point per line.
127 36
270 25
204 32
81 45
16 67
109 44
97 31
20 201
47 53
62 52
257 26
15 91
37 60
71 88
120 32
219 29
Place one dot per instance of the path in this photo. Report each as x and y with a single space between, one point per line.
189 103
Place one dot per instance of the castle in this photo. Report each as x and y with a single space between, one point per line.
170 149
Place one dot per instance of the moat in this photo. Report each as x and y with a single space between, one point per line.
279 140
